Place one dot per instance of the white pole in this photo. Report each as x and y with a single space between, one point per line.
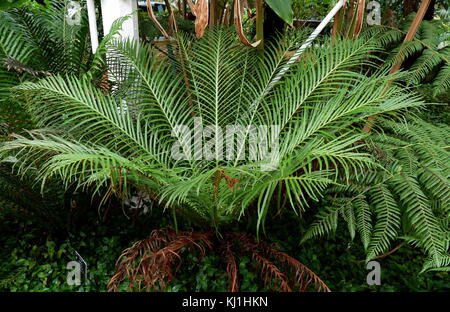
292 60
114 9
308 42
92 25
111 11
302 49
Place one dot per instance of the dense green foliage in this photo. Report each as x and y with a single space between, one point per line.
426 58
310 9
413 180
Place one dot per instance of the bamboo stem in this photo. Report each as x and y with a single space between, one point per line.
212 13
413 28
359 18
260 23
409 37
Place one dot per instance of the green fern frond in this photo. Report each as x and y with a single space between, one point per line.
387 221
441 83
420 215
325 223
441 263
363 220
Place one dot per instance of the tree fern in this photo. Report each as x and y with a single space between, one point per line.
125 138
410 197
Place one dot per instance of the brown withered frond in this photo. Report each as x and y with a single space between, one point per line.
104 84
303 276
295 274
148 263
270 272
232 269
231 182
13 64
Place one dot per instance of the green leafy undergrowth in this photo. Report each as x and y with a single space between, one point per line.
33 262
